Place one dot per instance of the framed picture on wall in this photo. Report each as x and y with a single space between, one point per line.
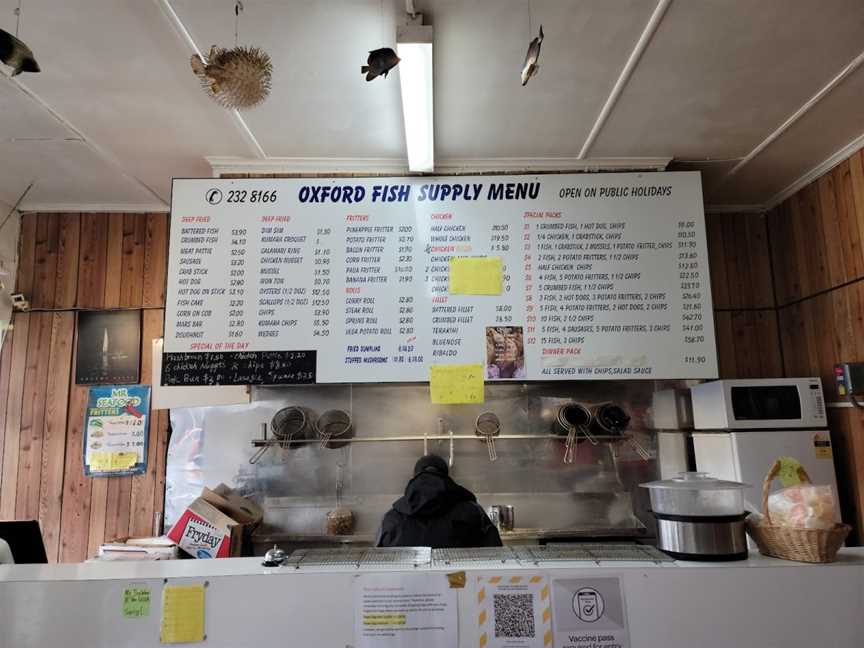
109 347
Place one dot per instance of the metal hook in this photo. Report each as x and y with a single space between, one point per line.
257 456
570 446
639 448
584 430
450 460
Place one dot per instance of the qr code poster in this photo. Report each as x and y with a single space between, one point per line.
514 611
589 613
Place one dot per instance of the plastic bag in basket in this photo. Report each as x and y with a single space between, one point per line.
804 506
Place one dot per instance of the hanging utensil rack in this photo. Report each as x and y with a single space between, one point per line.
610 438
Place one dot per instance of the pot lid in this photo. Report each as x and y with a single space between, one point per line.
695 481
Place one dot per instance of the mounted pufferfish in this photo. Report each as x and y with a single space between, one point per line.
236 78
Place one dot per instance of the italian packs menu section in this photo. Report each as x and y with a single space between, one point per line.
601 277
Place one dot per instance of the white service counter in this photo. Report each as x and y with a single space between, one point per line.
761 603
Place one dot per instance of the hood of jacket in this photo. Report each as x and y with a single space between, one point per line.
429 494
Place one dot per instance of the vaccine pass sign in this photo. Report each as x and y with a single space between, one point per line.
589 613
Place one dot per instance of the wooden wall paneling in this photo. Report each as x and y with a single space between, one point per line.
142 499
810 363
98 513
33 417
45 261
831 229
793 341
856 172
802 230
844 337
5 367
816 264
26 255
66 291
163 433
725 344
114 261
760 262
822 311
780 261
117 508
853 262
857 320
14 405
768 344
155 260
735 243
75 513
92 260
134 239
747 358
54 443
717 260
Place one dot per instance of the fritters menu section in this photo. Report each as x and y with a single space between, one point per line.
603 276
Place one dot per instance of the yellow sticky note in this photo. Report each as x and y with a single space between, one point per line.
789 472
182 614
123 460
100 461
452 384
476 276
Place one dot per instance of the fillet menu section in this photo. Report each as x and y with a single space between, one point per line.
603 276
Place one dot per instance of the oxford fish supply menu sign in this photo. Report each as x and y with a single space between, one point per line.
588 276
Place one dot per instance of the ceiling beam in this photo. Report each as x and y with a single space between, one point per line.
186 37
626 73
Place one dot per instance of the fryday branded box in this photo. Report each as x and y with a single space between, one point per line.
212 526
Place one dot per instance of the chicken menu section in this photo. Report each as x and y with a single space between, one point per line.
344 280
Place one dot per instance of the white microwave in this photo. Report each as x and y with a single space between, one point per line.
758 404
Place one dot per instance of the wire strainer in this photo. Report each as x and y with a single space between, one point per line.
487 427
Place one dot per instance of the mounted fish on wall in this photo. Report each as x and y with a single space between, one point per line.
236 78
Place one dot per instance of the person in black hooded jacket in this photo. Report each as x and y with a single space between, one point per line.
436 512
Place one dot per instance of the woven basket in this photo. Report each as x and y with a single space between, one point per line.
789 543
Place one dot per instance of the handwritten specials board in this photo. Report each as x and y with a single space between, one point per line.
604 276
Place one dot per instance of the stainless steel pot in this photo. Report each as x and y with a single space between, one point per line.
689 537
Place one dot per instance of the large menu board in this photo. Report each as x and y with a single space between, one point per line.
604 276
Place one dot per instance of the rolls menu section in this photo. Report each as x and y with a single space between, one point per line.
601 276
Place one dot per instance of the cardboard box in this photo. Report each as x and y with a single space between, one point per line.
214 524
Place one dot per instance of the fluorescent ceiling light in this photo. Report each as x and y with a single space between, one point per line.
414 48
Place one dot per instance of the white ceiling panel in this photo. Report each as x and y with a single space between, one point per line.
64 173
712 172
118 72
719 76
24 119
829 126
320 105
481 108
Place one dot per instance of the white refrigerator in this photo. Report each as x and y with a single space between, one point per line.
747 455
